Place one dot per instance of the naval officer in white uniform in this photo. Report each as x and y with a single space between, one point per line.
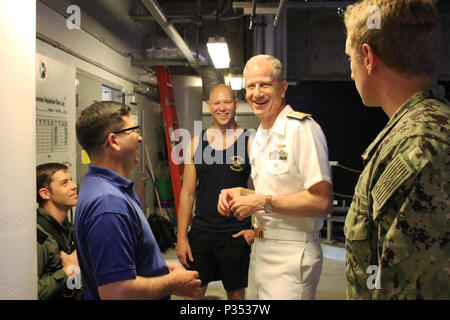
293 190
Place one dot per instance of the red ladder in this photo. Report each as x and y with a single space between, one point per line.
170 125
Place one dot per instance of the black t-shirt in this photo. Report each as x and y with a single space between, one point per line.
217 170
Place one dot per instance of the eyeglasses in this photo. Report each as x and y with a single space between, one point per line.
136 129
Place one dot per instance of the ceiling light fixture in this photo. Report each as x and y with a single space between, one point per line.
234 81
218 51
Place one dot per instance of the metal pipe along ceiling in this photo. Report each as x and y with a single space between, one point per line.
61 47
210 76
156 11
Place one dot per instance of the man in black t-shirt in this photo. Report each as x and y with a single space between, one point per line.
217 247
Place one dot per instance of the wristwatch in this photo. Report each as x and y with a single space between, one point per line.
268 205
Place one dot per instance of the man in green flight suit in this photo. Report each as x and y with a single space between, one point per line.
56 193
397 231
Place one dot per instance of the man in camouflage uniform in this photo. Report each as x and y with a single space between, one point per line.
397 233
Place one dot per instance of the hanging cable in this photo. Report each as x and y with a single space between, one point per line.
342 195
349 169
253 16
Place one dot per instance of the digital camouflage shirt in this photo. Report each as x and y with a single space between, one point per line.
397 231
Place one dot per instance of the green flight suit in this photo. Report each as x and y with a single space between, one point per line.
52 237
397 231
52 278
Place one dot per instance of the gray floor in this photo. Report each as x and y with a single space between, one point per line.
332 280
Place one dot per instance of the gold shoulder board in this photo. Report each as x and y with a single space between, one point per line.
298 115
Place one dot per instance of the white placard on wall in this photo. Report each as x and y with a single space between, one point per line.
55 112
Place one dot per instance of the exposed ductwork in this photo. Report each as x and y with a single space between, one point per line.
156 11
210 76
173 54
273 8
193 19
148 91
179 56
147 83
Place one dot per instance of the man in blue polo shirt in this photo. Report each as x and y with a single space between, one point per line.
117 252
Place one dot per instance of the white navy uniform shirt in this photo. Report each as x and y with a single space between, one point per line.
288 158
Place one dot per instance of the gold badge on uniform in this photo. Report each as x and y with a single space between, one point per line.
237 163
298 115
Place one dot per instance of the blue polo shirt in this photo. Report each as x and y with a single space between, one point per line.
113 238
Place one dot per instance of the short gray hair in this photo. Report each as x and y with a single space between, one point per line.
277 67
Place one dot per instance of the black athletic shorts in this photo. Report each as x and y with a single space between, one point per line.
219 256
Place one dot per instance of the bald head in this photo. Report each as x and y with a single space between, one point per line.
221 88
222 105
